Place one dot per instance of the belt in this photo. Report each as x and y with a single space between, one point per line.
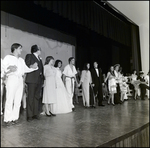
71 82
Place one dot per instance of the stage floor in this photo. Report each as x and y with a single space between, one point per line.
86 127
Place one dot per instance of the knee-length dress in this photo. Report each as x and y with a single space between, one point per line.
49 90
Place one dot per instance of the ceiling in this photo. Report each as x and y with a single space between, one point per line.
137 11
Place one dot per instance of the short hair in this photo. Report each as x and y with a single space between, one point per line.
56 63
48 59
71 58
15 46
34 48
134 71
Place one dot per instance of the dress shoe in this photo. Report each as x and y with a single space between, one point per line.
73 109
15 122
52 114
29 119
47 115
8 123
113 104
102 105
93 106
36 117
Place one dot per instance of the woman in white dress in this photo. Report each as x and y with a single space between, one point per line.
135 83
63 105
111 85
49 90
86 81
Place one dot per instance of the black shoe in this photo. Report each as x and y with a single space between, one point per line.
15 122
101 105
52 114
29 119
47 115
8 123
113 104
36 117
73 109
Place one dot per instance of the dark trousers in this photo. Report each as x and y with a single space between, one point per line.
92 96
32 101
99 92
117 95
143 88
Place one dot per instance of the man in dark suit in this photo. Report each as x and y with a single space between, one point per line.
142 85
34 81
98 81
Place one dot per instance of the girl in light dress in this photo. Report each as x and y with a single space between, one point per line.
111 85
49 89
123 85
135 83
86 81
63 103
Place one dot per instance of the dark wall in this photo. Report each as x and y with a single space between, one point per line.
92 43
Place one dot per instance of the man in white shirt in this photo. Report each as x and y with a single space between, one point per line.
14 83
69 77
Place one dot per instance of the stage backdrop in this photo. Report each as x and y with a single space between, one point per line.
52 42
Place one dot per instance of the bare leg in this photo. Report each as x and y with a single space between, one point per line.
112 99
47 109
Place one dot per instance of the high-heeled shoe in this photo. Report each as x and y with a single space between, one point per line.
47 115
52 114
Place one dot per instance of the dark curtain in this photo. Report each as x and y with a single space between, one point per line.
91 16
135 46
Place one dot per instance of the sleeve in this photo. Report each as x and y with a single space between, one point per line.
65 71
5 64
82 76
90 77
75 71
28 60
27 69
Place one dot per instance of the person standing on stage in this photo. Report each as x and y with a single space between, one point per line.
98 81
49 91
34 83
69 78
147 82
118 80
143 86
111 85
86 81
62 104
14 83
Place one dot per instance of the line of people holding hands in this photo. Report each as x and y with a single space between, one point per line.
55 87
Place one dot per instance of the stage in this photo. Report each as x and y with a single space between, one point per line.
85 127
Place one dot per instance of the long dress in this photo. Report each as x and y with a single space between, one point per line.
63 105
49 90
86 80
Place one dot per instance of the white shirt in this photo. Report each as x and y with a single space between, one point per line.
22 68
69 72
37 56
97 71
